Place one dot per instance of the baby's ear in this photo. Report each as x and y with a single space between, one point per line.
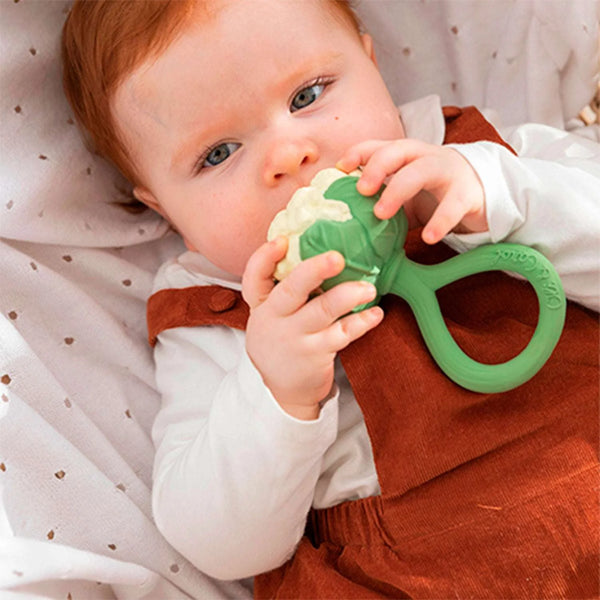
367 42
146 197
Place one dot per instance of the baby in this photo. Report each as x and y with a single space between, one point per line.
217 112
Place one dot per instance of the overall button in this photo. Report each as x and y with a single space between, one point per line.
222 300
451 112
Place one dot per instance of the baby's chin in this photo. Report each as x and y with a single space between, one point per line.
236 269
229 267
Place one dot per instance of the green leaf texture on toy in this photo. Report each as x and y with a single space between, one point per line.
366 242
332 214
307 206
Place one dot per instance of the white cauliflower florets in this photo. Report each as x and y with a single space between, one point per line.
305 207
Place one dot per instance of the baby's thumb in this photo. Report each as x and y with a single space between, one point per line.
257 280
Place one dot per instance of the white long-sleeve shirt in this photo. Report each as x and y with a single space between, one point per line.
235 475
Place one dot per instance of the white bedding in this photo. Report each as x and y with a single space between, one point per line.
77 392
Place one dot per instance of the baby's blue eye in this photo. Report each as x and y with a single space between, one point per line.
307 96
220 153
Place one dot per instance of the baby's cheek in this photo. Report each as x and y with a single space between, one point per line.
236 250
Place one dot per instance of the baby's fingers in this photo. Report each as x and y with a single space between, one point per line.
344 331
328 307
404 185
359 154
390 160
448 214
257 281
293 292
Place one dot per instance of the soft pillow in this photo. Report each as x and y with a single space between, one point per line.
53 189
77 390
529 61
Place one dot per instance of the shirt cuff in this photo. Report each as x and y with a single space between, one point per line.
503 215
255 407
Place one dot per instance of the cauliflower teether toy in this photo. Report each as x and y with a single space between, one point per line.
332 215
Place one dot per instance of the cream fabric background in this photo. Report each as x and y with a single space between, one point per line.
77 392
529 60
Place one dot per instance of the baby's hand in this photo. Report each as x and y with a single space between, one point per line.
435 184
292 339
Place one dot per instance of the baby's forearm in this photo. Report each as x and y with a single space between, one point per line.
547 198
234 475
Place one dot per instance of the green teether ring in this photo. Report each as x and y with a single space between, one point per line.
374 252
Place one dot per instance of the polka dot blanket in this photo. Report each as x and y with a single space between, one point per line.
77 391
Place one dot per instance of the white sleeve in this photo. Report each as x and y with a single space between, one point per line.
547 197
234 475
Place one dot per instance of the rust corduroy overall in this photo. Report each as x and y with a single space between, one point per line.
482 495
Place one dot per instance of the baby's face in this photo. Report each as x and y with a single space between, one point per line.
243 109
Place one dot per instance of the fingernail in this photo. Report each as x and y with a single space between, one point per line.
428 237
336 258
366 187
370 290
379 210
376 312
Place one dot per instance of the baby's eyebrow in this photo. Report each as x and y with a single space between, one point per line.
187 152
183 154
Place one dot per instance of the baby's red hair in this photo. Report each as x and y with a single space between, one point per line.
103 41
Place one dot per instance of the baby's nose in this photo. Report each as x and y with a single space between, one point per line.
288 158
